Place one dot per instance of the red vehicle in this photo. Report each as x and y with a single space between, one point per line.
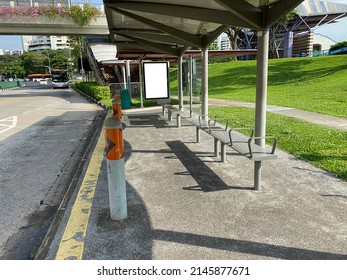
39 77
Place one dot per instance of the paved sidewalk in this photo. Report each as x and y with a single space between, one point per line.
183 203
321 119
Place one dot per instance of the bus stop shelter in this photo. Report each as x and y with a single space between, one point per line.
140 28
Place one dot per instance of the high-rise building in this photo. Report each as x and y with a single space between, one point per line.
223 42
40 43
25 42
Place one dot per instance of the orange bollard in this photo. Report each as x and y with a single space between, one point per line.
117 109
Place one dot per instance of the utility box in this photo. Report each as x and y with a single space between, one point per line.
125 98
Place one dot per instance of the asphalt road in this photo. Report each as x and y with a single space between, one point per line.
44 136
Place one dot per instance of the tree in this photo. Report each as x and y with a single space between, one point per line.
57 59
75 43
10 66
213 46
338 46
34 62
233 35
41 62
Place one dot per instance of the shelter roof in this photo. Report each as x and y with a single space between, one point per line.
173 26
103 51
315 8
315 13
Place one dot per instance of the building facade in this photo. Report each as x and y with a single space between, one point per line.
41 43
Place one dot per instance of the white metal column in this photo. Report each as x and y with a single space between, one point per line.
124 77
180 82
190 85
204 86
141 83
127 63
261 96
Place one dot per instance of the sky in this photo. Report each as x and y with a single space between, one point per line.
335 31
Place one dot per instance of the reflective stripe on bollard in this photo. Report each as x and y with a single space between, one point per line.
115 168
117 109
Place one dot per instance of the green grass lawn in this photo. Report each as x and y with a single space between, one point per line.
317 84
321 146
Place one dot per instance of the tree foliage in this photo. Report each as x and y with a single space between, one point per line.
41 62
338 46
233 35
34 62
10 66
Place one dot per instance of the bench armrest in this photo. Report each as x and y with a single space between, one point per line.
262 137
200 116
226 124
237 129
215 121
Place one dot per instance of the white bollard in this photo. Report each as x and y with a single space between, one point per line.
115 168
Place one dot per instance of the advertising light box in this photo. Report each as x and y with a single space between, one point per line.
156 80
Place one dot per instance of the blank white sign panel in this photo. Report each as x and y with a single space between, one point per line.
156 80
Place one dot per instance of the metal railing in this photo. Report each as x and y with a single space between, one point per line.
136 88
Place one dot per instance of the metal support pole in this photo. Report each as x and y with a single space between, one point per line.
141 81
124 77
191 85
81 58
180 83
197 134
261 95
288 44
215 147
204 93
178 120
128 78
114 147
223 153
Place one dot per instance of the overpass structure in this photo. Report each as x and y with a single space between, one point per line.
45 26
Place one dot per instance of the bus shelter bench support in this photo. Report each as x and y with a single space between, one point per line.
234 139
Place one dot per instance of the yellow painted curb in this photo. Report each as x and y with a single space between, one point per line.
71 246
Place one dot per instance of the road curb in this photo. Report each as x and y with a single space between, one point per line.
44 247
88 97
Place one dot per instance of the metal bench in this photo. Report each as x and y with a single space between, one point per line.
170 109
231 137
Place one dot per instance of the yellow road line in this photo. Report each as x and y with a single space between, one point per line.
8 99
72 243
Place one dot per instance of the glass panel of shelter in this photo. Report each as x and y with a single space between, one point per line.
191 71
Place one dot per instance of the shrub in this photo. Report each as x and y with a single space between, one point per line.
338 46
94 90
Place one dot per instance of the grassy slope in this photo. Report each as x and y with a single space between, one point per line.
314 84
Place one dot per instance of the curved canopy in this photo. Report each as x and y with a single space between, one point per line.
316 8
314 13
103 51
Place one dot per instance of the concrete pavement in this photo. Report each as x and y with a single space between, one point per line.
183 203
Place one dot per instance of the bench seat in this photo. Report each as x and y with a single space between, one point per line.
229 137
242 144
